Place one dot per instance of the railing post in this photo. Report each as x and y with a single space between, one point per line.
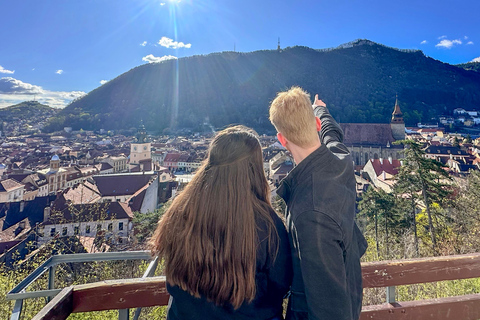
148 273
51 280
17 310
123 314
391 294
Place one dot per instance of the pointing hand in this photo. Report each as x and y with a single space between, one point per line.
318 102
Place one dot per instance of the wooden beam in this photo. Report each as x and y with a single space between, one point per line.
120 294
452 308
59 308
423 270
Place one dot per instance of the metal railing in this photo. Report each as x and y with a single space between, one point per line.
151 291
19 293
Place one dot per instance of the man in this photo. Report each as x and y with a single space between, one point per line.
320 196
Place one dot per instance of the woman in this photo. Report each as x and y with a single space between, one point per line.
226 252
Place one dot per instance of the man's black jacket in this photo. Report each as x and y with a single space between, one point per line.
325 240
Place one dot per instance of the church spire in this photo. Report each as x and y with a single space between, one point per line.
397 115
141 133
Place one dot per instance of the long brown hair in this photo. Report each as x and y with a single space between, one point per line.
208 236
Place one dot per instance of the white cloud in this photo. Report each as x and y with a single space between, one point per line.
143 44
3 70
152 59
12 85
465 37
13 91
476 60
59 71
169 43
424 42
103 81
448 44
441 37
162 4
470 42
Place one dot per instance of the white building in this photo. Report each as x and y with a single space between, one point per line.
111 220
11 191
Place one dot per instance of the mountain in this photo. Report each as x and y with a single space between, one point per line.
27 110
27 117
475 66
358 81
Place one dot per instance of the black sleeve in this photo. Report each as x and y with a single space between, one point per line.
280 272
323 267
331 134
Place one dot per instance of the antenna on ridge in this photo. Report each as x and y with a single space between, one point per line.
278 47
234 47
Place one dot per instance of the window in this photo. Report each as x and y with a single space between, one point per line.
110 226
87 229
120 226
52 232
75 230
64 231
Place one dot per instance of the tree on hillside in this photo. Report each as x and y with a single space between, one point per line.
425 176
407 190
467 214
380 206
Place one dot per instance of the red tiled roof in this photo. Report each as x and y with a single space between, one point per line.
387 166
172 157
9 184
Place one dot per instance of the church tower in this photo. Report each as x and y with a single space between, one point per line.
140 150
397 124
55 163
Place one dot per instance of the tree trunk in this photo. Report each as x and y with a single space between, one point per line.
376 234
386 235
430 223
414 220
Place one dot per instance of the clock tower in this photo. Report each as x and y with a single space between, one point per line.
140 150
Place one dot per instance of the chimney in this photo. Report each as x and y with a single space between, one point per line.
46 213
390 159
22 205
381 161
384 175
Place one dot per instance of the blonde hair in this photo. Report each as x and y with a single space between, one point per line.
292 115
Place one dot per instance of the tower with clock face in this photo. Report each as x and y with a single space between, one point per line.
140 150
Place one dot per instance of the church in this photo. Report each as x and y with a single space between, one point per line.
375 140
140 152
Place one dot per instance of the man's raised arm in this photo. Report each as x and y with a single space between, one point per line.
331 131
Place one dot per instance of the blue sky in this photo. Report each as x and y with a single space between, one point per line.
57 50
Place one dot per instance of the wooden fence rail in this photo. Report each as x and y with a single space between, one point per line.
147 292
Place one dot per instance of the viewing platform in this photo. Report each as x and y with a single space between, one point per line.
148 291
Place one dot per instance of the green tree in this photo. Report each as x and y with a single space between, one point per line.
425 176
466 214
378 205
146 223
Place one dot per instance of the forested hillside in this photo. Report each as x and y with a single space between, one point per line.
358 81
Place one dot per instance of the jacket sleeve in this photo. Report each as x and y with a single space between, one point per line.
331 134
280 272
323 267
